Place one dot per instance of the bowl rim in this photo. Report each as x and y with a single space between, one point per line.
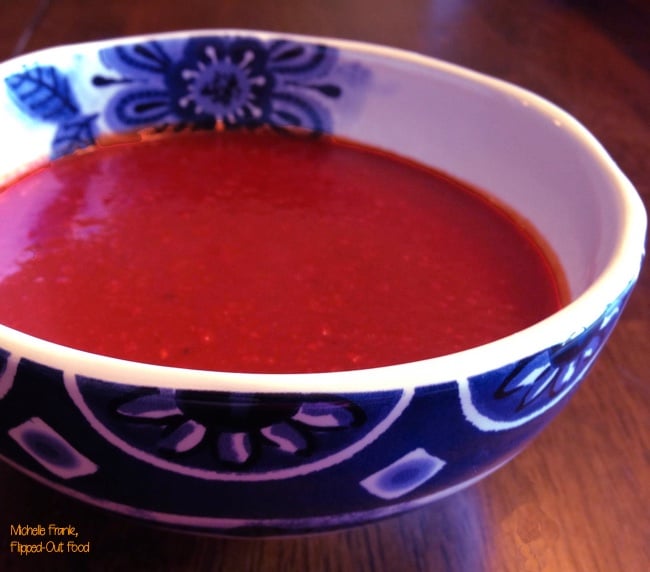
621 271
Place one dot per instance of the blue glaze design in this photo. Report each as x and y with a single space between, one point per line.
233 436
404 475
211 82
235 427
221 462
51 450
517 393
43 93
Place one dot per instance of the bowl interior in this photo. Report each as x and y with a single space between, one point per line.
525 152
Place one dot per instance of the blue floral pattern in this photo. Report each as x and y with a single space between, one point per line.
231 436
217 82
44 93
517 393
209 82
235 427
234 456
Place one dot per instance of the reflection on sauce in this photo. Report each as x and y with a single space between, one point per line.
264 253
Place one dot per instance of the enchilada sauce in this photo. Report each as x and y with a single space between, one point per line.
257 252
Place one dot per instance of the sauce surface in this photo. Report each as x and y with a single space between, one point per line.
257 252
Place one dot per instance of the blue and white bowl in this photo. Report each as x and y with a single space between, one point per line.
253 454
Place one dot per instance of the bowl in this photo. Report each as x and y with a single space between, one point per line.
322 450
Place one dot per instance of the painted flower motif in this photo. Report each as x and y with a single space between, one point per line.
547 375
236 428
519 392
219 82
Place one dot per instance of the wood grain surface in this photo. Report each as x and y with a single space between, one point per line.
578 499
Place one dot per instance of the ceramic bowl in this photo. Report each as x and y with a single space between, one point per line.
254 454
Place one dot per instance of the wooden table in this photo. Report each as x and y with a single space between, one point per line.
579 498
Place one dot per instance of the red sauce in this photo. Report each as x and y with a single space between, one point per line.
263 253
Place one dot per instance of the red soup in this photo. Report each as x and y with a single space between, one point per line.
258 252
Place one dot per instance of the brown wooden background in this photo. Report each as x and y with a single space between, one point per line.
579 498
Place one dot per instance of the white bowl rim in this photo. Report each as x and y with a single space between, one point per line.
621 271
